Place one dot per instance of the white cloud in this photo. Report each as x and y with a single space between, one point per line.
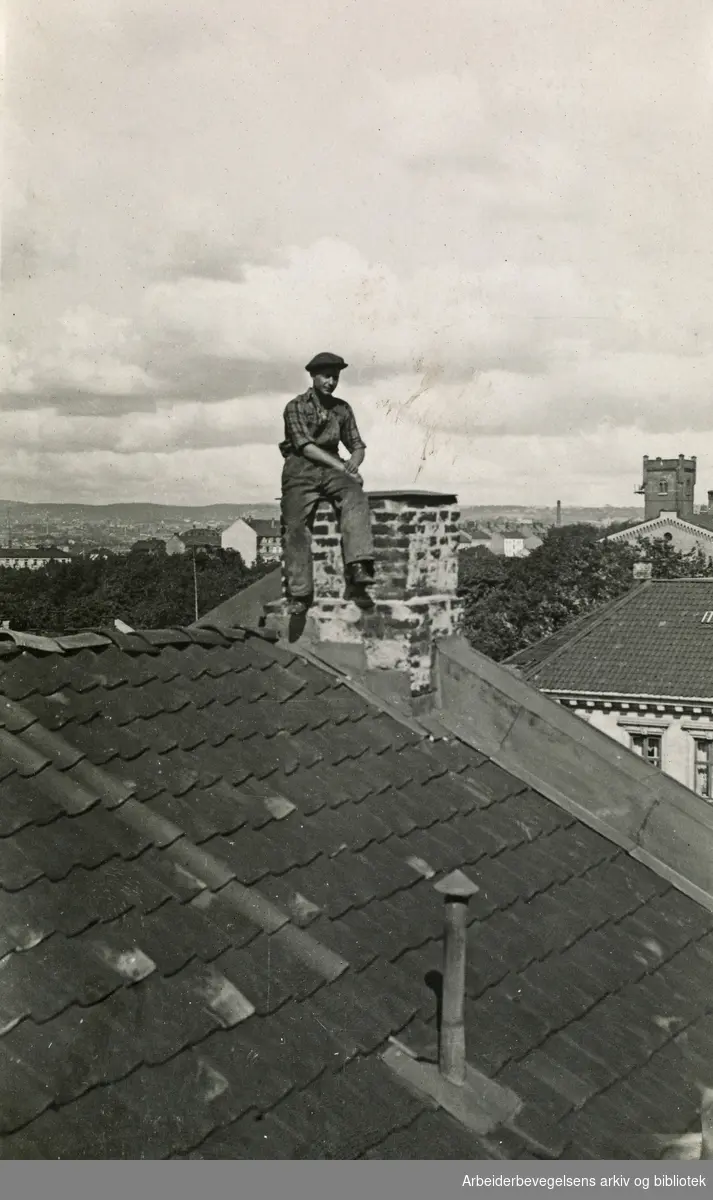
500 212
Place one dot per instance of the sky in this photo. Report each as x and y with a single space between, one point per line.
497 213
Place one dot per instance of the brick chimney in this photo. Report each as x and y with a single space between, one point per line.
416 538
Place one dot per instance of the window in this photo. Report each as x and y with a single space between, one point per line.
704 767
663 487
648 745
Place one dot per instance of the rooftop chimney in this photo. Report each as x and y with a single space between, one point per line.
416 579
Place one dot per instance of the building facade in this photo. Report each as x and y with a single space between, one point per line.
254 540
641 671
685 536
675 736
31 558
668 485
205 541
509 545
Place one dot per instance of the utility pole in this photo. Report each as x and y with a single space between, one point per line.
195 584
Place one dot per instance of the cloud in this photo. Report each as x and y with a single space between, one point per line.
499 215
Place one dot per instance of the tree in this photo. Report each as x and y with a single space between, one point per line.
669 563
479 569
571 573
145 590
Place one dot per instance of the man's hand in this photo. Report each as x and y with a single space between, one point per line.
354 462
324 458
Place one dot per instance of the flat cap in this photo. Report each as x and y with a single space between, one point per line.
325 359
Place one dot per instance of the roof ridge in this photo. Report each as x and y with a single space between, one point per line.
139 641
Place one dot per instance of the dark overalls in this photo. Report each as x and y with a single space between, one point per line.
305 483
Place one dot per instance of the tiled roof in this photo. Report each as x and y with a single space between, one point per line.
216 870
200 537
246 607
264 528
655 525
653 642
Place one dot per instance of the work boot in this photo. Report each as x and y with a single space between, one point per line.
362 573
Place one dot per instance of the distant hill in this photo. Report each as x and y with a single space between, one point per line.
142 513
138 513
548 516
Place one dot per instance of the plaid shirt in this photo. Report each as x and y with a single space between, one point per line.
307 421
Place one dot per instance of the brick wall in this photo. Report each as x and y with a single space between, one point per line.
416 578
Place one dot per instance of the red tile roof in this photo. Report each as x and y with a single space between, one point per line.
653 642
216 868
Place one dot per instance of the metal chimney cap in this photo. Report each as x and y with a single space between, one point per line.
457 885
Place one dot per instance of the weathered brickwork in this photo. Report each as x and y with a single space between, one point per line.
416 579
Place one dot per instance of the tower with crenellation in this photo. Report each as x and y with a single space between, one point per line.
668 486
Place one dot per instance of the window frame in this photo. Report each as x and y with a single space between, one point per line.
702 738
644 736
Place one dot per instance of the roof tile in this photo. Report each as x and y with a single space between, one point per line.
22 1095
21 804
489 782
288 801
252 1060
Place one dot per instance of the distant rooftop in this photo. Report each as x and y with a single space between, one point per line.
656 641
264 528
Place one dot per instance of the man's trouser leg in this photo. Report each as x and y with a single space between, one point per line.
300 494
352 505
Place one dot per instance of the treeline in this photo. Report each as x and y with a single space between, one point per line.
508 603
512 603
144 590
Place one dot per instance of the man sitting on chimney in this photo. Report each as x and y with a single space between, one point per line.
316 422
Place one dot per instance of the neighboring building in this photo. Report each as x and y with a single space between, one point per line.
510 544
204 540
32 558
472 538
668 486
175 544
269 540
151 545
641 670
685 536
254 539
225 864
533 542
